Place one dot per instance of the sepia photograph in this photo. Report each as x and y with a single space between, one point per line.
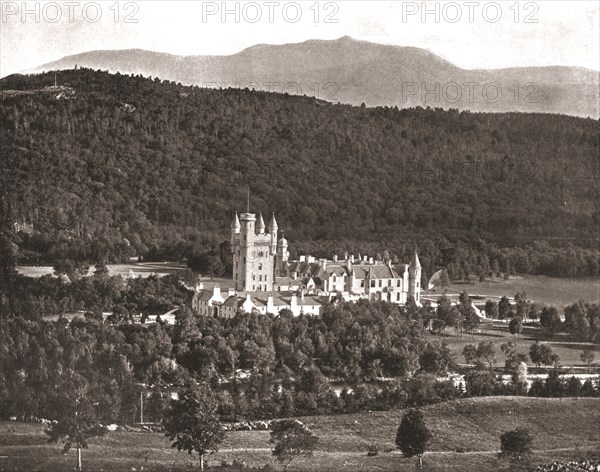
300 236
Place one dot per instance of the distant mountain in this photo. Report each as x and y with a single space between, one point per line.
355 72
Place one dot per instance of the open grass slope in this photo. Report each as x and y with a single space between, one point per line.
568 348
557 291
563 429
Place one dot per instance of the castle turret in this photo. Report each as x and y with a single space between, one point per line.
273 232
235 229
260 224
414 277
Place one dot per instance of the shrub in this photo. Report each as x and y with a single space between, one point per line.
516 442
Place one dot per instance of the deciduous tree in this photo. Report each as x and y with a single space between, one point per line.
413 435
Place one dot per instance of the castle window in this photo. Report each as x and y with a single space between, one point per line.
362 284
398 297
259 266
380 283
372 283
398 282
260 278
389 283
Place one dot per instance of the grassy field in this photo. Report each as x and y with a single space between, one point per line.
539 289
498 333
564 429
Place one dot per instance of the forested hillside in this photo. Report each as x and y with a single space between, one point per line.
113 166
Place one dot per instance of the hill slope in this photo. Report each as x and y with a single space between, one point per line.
352 71
563 429
117 165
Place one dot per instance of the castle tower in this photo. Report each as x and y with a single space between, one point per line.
253 253
414 279
281 257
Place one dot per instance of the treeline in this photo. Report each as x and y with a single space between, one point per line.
36 298
258 367
133 166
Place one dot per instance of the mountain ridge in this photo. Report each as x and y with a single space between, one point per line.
364 72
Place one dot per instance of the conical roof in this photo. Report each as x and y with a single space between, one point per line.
415 262
273 224
235 224
260 225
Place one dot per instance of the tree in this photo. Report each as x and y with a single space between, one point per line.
503 308
80 424
516 442
491 309
215 268
412 435
469 353
487 353
435 358
191 423
519 378
513 358
292 439
542 354
549 318
444 279
515 326
588 356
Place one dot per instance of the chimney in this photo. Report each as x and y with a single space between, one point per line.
199 287
231 292
351 258
364 258
216 291
323 263
293 301
335 258
346 255
294 275
302 258
370 260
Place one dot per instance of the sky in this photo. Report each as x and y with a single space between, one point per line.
470 34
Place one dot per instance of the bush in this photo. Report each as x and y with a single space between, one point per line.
516 442
373 450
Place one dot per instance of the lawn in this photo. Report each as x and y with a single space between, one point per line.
539 289
498 333
563 429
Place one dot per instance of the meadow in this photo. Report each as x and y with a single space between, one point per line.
558 291
498 333
465 437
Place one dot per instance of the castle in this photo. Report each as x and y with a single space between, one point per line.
266 281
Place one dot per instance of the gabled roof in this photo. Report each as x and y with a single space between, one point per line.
205 295
287 281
